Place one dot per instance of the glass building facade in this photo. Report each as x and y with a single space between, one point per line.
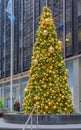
27 14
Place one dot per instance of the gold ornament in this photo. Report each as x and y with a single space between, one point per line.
61 104
47 20
51 49
42 43
44 85
62 62
32 57
56 47
65 109
35 62
65 78
62 97
53 91
50 84
38 106
44 95
36 98
54 107
59 48
59 42
45 32
51 67
25 90
42 22
67 71
46 107
49 104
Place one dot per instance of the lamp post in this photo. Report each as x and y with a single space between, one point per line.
11 64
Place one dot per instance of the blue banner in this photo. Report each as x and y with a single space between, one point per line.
9 11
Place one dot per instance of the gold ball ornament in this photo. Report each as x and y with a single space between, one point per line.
49 104
42 43
60 42
44 112
46 107
32 57
42 22
51 49
62 61
66 85
65 78
53 91
62 97
45 32
35 61
36 98
50 84
61 104
56 47
47 20
65 109
54 107
39 106
59 64
45 95
59 48
44 85
51 67
67 71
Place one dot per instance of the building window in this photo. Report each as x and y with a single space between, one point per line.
69 65
68 26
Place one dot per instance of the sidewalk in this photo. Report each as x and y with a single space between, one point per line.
15 126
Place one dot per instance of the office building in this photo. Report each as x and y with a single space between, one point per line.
67 17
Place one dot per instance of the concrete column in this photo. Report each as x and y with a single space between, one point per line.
80 84
76 83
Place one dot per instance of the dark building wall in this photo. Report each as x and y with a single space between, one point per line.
23 37
27 15
68 28
75 27
27 33
79 25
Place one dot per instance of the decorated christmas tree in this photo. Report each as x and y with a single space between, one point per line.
47 86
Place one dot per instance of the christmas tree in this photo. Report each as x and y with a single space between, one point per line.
47 86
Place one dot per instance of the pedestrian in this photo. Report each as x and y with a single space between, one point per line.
16 105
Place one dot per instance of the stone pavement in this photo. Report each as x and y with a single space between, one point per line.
46 127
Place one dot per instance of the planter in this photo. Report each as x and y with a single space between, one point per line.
48 119
3 111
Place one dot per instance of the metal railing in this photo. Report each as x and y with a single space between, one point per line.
30 116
